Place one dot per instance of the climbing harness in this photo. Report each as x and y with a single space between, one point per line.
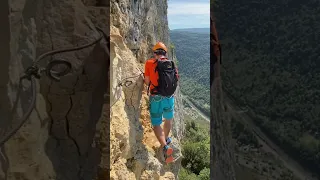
34 72
158 98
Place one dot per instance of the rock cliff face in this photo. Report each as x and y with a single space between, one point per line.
135 27
222 150
63 138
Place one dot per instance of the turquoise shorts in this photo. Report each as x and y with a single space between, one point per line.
159 107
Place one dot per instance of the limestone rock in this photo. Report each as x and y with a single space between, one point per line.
58 141
135 27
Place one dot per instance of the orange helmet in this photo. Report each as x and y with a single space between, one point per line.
159 45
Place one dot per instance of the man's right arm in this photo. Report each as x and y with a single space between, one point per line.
146 74
147 80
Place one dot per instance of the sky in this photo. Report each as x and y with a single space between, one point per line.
188 14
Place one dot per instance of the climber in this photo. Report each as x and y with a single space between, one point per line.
161 77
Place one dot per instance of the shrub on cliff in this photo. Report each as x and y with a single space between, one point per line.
196 150
184 174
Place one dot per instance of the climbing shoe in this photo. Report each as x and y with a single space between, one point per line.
168 140
167 151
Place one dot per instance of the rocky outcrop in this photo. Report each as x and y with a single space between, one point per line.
222 150
135 27
63 138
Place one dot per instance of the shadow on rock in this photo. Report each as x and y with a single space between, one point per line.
75 107
4 164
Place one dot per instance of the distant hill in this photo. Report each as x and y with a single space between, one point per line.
192 48
193 30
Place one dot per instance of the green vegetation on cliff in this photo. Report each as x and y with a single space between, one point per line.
270 59
192 49
195 151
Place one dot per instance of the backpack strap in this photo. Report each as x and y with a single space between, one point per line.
156 61
152 91
173 65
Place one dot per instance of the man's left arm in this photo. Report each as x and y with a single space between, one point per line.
177 73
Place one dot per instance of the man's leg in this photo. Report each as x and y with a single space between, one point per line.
168 115
160 135
156 119
156 111
167 127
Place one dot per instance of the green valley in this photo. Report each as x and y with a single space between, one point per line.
271 66
192 49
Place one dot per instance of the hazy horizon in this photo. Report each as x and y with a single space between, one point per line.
188 14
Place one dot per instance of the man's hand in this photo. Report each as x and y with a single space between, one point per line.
147 80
